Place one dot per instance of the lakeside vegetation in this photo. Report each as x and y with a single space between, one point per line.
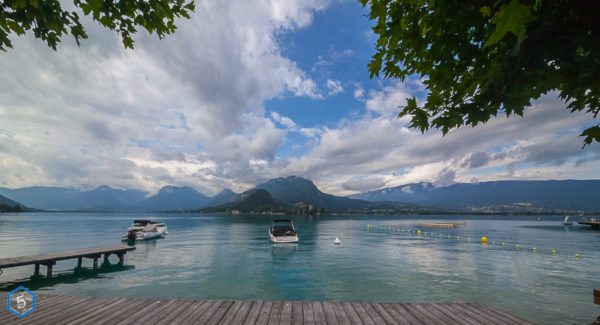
7 208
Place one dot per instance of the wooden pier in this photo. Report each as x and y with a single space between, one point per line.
50 260
54 309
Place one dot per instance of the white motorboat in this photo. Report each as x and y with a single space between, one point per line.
145 229
283 231
567 221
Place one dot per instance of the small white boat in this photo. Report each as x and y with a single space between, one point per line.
145 229
337 241
567 222
283 231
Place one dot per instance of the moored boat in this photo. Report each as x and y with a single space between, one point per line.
144 230
567 221
283 231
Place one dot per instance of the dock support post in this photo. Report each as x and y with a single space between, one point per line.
120 255
79 260
49 269
106 257
37 268
96 262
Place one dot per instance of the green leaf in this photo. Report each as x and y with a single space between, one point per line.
591 134
512 18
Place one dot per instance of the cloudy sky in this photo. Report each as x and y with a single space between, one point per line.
246 91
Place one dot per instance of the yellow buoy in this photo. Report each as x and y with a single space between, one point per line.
553 252
493 242
576 255
469 239
419 232
484 240
503 244
534 249
517 246
457 237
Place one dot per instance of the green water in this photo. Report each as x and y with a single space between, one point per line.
230 257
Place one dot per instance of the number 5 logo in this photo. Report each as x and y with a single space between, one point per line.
21 301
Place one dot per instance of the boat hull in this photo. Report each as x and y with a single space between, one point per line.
283 239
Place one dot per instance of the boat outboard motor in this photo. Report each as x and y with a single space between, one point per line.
131 235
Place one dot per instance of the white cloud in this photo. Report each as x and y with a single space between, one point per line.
335 87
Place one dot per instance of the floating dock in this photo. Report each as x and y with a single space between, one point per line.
50 259
55 309
438 225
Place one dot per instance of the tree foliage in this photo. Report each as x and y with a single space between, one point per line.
481 58
49 21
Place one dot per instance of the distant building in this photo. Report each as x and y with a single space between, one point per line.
235 211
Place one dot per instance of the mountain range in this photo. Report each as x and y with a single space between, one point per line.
295 193
497 196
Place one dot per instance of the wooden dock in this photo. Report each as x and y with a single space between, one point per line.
50 259
54 309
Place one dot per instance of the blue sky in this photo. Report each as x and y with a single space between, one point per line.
246 91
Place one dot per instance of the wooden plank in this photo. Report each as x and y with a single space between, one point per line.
77 310
208 313
228 317
507 316
362 313
68 305
199 312
146 307
429 309
352 315
297 314
104 308
421 315
263 316
596 296
318 312
253 313
220 312
308 313
329 313
196 305
113 315
286 313
459 318
480 317
378 317
275 314
240 316
400 317
340 313
46 306
172 313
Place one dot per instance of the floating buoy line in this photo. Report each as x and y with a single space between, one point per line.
420 233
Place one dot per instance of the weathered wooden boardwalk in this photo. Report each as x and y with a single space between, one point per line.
54 309
50 259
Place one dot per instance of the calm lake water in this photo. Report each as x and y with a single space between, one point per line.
230 257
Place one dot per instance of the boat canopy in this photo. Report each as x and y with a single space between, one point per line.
282 220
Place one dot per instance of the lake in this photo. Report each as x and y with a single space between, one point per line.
230 257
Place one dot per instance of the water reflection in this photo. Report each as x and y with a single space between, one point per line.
79 274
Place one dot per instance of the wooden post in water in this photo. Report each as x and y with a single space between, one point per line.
597 302
120 255
37 268
79 260
96 262
49 269
106 257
